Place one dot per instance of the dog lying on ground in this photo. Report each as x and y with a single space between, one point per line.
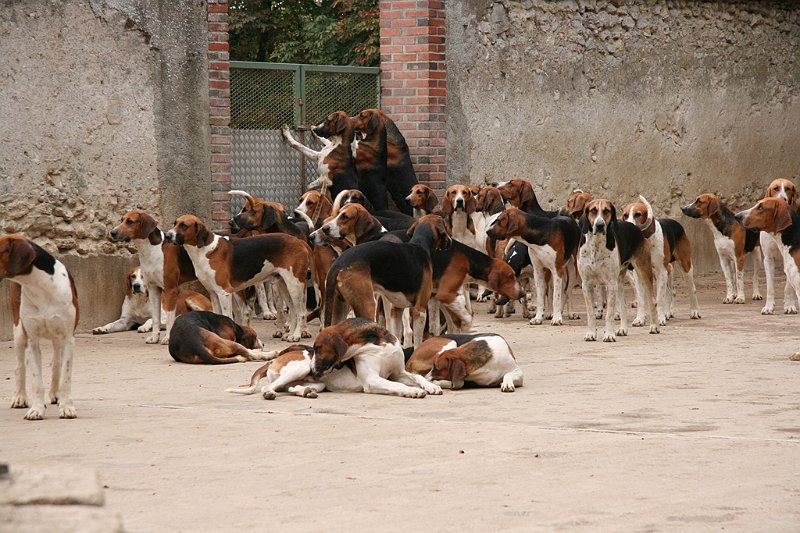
484 359
136 307
44 305
287 372
203 337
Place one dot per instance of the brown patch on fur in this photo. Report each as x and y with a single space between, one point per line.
576 202
421 361
423 198
317 204
16 255
134 225
489 200
518 192
770 215
636 214
786 186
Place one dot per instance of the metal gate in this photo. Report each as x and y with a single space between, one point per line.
264 96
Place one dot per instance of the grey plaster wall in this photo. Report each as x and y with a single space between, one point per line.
623 97
103 108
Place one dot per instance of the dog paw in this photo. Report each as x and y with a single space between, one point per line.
433 389
639 321
795 356
767 310
654 329
507 387
598 314
35 413
53 399
757 296
694 314
557 321
278 334
790 310
621 332
99 331
291 338
19 401
574 316
67 410
305 334
269 395
536 321
590 336
662 321
413 393
728 299
609 337
165 340
740 299
308 392
269 316
285 128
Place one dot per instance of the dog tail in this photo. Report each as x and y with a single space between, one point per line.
327 303
245 194
251 389
650 215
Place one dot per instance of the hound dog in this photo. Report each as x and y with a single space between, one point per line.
383 162
519 193
203 337
552 243
316 205
44 305
775 216
484 359
377 356
608 247
289 372
391 219
732 241
164 265
457 208
335 162
576 203
422 200
353 223
259 216
225 265
136 307
668 244
771 249
402 273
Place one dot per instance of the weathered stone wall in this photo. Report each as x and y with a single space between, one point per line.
623 97
103 107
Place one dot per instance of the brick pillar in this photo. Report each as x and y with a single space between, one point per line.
414 81
219 98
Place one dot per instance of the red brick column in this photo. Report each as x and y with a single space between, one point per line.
414 81
219 98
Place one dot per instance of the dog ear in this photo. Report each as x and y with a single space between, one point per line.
512 220
364 223
374 120
458 370
129 285
471 204
783 219
526 194
268 217
202 234
713 206
20 257
341 123
367 204
431 202
444 241
339 346
447 206
613 213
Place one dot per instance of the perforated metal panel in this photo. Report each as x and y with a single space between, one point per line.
265 96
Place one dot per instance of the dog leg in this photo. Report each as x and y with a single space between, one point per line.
55 374
617 289
738 265
408 330
789 299
20 400
294 291
591 317
293 372
415 380
154 292
641 307
434 319
65 407
558 302
662 295
769 272
394 321
511 380
306 151
418 319
730 277
306 390
123 324
34 361
375 384
539 282
757 261
694 308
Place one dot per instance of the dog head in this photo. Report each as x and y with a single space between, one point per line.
369 121
17 255
189 230
502 280
509 223
770 214
422 197
517 192
438 229
329 349
136 284
312 202
458 198
599 215
136 225
249 339
448 367
489 200
337 123
256 215
576 203
353 221
783 189
704 206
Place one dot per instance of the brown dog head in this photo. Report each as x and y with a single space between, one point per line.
447 367
136 225
704 206
329 349
17 255
770 214
337 123
189 230
434 225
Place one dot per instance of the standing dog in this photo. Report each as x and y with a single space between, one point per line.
732 242
44 305
771 250
608 247
335 163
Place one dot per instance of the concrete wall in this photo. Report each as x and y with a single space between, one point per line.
621 98
103 108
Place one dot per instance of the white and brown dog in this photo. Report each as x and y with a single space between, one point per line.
287 372
225 265
422 200
44 305
608 247
484 359
771 250
668 243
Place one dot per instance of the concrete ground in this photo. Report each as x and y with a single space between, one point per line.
695 429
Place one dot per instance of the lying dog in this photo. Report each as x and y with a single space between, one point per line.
136 307
203 337
287 372
484 359
44 305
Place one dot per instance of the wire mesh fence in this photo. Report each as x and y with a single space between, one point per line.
264 96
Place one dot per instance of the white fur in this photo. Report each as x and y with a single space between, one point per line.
500 370
734 278
135 309
319 156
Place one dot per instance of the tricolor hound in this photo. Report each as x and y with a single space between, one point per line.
422 200
608 247
771 249
225 265
668 243
402 273
457 208
164 266
732 242
484 359
203 337
287 372
44 305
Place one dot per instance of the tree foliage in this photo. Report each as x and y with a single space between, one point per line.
334 32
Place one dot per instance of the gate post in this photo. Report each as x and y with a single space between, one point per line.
219 99
414 81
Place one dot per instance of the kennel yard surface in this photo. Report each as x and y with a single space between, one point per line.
696 429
